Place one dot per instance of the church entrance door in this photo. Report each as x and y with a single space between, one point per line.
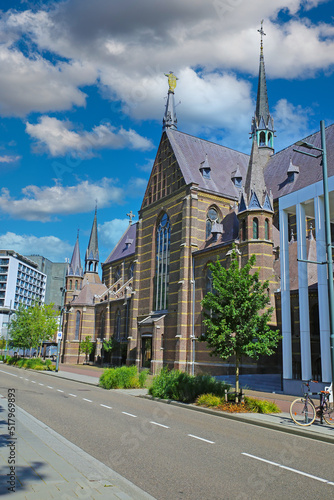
146 352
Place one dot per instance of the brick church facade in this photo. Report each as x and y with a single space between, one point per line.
201 199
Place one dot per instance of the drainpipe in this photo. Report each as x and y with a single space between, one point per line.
193 339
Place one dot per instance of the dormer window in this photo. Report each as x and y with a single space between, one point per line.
236 178
205 168
292 172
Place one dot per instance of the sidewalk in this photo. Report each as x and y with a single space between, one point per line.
47 466
280 421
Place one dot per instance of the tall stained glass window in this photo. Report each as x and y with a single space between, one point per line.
162 264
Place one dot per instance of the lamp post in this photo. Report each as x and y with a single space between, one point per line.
323 154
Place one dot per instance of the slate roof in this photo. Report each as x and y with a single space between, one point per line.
74 268
310 170
91 286
126 245
190 153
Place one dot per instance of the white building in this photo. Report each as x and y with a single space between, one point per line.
20 283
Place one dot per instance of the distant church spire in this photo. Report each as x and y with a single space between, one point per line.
169 119
74 268
262 123
92 252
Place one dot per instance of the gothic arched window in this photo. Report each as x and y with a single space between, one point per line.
117 332
262 139
131 270
70 284
266 229
212 216
162 264
77 325
208 287
255 228
243 230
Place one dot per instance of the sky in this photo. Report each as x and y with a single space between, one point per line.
83 92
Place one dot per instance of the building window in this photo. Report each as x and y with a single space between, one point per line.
131 270
255 229
212 216
208 287
70 284
118 273
117 333
266 229
262 139
76 284
162 264
102 325
77 325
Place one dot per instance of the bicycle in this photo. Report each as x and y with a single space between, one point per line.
303 411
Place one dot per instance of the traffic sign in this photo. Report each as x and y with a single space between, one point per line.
59 335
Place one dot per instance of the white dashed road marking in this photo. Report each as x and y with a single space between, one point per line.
129 414
105 406
89 400
160 425
201 439
296 471
73 395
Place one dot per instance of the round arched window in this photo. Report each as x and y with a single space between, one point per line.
212 216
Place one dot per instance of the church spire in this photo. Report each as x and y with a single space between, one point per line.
92 252
74 268
262 123
169 119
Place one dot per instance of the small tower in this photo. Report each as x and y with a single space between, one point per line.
169 119
255 211
92 252
74 274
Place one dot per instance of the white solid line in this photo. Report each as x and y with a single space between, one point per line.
160 425
105 406
59 390
7 373
73 395
130 414
49 386
40 383
289 468
202 439
89 400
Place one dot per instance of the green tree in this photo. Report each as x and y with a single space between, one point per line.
111 345
2 344
86 346
237 315
32 325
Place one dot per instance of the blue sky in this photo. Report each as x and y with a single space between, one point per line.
82 96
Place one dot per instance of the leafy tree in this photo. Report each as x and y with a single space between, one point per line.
86 346
32 325
2 343
236 313
111 345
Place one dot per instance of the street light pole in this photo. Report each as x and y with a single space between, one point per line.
328 243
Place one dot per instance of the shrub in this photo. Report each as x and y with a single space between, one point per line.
208 400
143 377
177 385
124 377
261 405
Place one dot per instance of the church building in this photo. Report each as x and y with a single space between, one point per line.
201 199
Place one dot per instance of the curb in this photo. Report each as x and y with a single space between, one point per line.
245 420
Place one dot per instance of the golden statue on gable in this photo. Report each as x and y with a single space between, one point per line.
171 81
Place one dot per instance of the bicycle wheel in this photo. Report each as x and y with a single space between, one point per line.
302 412
329 413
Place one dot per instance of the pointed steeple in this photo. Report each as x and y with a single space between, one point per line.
262 123
74 268
92 252
169 119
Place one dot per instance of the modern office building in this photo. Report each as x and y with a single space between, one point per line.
20 283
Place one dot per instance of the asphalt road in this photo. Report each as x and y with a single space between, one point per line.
172 452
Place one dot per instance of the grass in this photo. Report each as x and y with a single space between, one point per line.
250 405
179 386
124 377
30 363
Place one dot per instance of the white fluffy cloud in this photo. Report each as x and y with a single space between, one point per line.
50 247
44 203
111 231
9 159
292 122
128 47
58 138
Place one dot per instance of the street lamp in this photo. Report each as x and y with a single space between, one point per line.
323 154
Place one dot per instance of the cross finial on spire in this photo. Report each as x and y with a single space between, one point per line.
131 216
262 33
